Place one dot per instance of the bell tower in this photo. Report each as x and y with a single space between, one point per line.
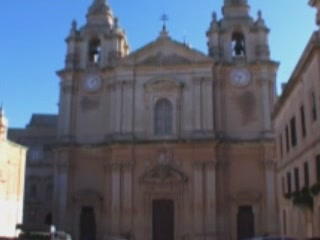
245 77
237 34
100 42
92 52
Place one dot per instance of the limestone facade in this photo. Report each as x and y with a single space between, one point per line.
39 136
166 142
296 119
12 170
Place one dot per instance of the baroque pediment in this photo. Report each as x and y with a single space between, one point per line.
165 52
162 59
163 173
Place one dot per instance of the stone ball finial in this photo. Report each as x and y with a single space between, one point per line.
214 17
259 14
316 5
74 24
116 22
73 29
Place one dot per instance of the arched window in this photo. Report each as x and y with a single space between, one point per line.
163 117
238 44
94 50
33 191
48 219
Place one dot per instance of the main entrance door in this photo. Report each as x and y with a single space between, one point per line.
245 221
87 224
162 220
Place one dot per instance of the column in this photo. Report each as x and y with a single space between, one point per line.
198 199
266 104
127 107
65 109
127 197
207 105
196 104
272 223
118 107
210 207
61 191
115 202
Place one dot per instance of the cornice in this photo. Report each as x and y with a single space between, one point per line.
310 49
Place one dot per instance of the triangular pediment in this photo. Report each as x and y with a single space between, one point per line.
165 52
163 173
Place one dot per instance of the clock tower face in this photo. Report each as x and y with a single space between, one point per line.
92 83
240 77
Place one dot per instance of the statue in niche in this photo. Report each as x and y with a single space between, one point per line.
163 157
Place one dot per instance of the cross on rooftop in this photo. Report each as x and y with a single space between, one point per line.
164 18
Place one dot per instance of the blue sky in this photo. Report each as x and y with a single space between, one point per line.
33 33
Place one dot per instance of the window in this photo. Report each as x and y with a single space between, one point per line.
33 191
163 117
289 190
34 153
293 131
296 179
306 174
49 191
94 50
283 185
287 139
238 44
318 167
313 107
280 146
48 219
303 122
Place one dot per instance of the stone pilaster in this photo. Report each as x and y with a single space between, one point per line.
115 200
210 201
127 197
61 191
197 107
266 104
272 223
198 199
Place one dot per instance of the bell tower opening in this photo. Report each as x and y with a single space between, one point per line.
238 44
94 51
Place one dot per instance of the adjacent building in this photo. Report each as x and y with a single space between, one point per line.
166 142
12 171
297 126
39 136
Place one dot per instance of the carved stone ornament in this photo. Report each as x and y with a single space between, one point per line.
163 173
163 157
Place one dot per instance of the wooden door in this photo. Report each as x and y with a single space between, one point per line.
163 219
87 224
245 222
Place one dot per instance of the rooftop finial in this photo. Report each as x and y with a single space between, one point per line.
259 14
164 18
316 4
214 17
73 29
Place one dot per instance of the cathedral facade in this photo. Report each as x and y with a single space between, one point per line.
166 142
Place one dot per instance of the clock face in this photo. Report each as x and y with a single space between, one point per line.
92 83
240 77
